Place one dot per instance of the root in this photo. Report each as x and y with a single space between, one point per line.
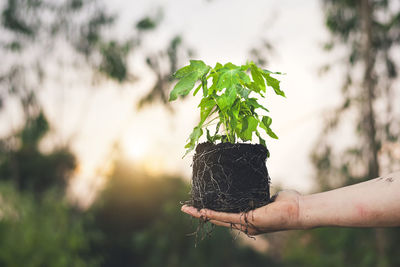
229 178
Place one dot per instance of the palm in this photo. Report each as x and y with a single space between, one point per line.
282 214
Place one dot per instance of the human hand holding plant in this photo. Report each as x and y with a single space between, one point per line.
374 203
229 175
282 214
225 176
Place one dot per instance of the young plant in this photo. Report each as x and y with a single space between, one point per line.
228 100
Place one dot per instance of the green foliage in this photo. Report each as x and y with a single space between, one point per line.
22 162
336 247
146 23
370 95
41 233
227 100
34 130
335 167
188 76
163 64
12 19
114 60
142 225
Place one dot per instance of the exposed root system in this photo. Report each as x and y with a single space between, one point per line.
230 177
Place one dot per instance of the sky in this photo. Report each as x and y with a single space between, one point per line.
223 31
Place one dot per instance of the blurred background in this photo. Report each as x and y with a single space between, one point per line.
91 168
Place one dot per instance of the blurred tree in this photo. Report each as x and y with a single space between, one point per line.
41 31
163 64
32 33
22 163
142 225
35 36
42 233
138 218
369 30
38 40
261 53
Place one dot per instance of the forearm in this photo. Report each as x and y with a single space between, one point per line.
375 203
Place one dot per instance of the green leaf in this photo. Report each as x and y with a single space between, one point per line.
265 124
234 114
230 76
221 116
209 138
253 87
204 85
188 76
257 75
244 78
274 83
272 72
214 74
228 95
238 128
218 66
266 120
246 67
272 134
253 102
217 128
213 87
193 139
213 138
226 99
260 139
231 66
196 90
262 142
243 92
249 126
184 71
206 106
244 109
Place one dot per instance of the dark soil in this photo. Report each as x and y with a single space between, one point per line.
230 177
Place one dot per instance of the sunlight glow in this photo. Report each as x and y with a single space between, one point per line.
135 148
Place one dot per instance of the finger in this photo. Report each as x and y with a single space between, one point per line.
243 228
191 211
237 218
219 223
248 229
274 197
235 226
241 221
215 215
228 225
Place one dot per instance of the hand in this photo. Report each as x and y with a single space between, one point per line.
282 214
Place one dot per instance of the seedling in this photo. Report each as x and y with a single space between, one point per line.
229 101
229 174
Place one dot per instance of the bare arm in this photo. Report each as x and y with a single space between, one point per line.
375 203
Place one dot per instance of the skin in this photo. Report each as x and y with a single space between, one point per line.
375 203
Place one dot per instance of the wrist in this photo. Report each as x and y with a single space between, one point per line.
308 212
302 223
